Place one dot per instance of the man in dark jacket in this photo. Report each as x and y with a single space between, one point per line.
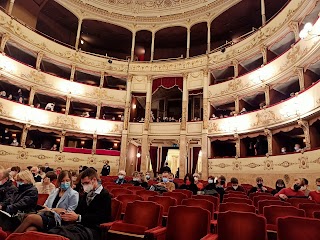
7 189
93 209
106 169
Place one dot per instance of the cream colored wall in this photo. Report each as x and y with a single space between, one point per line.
27 17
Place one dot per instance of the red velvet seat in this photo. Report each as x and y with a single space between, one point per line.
139 217
127 198
116 209
120 191
184 223
186 192
237 200
202 203
231 194
176 195
34 235
316 215
241 225
213 199
236 192
42 198
297 228
272 213
264 203
165 201
258 198
252 195
145 194
134 189
109 188
126 185
236 207
296 201
309 208
3 234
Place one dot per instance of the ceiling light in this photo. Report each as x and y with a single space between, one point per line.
82 42
138 155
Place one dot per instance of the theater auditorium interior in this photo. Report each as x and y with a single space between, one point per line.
160 119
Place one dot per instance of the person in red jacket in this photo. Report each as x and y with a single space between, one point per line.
315 195
294 191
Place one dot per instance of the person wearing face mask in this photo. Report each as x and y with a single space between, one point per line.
94 208
7 188
15 142
58 170
24 201
46 186
148 176
189 184
259 187
169 186
48 169
60 201
106 169
137 180
121 176
35 173
315 195
283 150
199 184
221 181
171 179
279 185
211 185
294 191
304 187
297 148
13 173
235 187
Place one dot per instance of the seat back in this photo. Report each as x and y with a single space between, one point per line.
297 228
241 225
176 195
127 198
309 208
236 207
264 203
186 192
187 223
116 209
258 198
34 235
213 199
145 194
144 213
112 187
316 215
42 198
272 213
205 204
120 191
296 201
134 189
235 192
126 185
231 194
165 201
252 195
237 200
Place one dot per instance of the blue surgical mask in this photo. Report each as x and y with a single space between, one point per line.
210 181
121 177
164 180
65 186
318 187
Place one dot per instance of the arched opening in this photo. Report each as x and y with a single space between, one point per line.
198 39
142 49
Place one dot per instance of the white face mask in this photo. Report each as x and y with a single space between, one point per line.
196 179
210 181
135 179
296 148
120 176
87 188
303 188
235 187
283 150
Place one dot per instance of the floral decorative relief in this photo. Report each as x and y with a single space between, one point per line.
303 162
36 77
65 122
265 117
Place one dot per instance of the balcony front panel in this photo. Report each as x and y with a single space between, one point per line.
136 128
165 129
25 114
194 128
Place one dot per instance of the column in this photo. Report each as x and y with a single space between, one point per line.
264 50
235 64
128 103
98 113
267 94
94 144
188 42
133 45
294 25
204 157
237 104
11 3
123 150
268 134
68 104
144 152
263 13
183 156
24 135
73 71
31 95
305 127
148 104
300 72
209 37
39 59
101 79
62 140
205 99
4 39
238 146
78 34
184 102
152 46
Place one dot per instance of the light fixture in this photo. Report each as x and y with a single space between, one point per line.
306 31
81 42
58 139
138 155
82 142
134 106
115 144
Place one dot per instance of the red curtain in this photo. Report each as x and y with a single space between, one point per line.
167 82
153 158
139 159
164 155
195 154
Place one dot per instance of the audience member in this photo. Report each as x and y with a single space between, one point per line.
315 195
58 170
211 185
243 111
148 176
15 142
74 177
54 147
259 187
48 169
105 169
169 186
5 139
305 186
294 191
30 144
297 148
13 173
221 181
283 150
171 179
10 97
35 173
42 172
165 168
93 209
121 177
137 180
3 94
50 107
189 184
46 186
7 189
199 184
235 186
279 186
61 201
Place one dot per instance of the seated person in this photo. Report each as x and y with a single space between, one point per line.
148 176
196 177
46 186
221 181
283 150
304 188
235 186
165 182
15 142
121 177
94 208
171 179
50 107
211 185
279 185
54 147
294 191
7 189
137 180
297 148
259 187
315 195
35 174
189 184
61 200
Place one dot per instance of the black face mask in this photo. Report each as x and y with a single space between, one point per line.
259 185
279 188
296 187
222 182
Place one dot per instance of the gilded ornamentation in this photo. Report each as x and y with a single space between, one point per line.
252 165
40 156
268 165
265 117
2 111
237 165
92 160
303 163
222 165
5 153
213 127
23 155
75 159
285 164
234 86
65 122
205 113
36 77
316 161
59 158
